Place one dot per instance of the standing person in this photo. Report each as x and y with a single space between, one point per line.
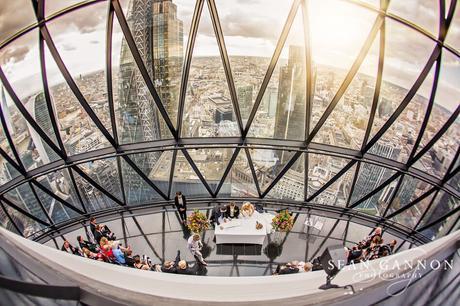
181 205
195 245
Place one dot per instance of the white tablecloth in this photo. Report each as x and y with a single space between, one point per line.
244 230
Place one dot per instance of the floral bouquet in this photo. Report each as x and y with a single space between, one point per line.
283 221
197 222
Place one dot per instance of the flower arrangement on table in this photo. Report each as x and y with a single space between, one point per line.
283 221
197 222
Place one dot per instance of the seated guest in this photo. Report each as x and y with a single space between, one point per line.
392 245
88 254
303 266
218 214
106 250
377 232
67 247
139 264
118 252
104 229
129 259
98 234
86 244
354 254
247 210
184 268
170 266
233 211
289 269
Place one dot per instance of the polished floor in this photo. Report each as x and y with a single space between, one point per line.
160 235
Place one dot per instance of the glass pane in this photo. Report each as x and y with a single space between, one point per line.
355 103
453 35
424 13
105 173
60 184
410 217
404 131
16 15
438 158
5 222
443 204
240 182
212 163
251 31
185 179
78 132
268 163
53 6
163 50
446 100
371 177
83 51
23 197
337 194
208 110
321 169
24 223
32 149
334 50
138 118
411 189
406 53
160 171
289 85
291 186
92 197
440 229
55 209
137 190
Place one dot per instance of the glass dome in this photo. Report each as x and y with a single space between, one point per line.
115 104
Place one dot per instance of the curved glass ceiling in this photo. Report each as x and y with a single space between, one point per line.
351 104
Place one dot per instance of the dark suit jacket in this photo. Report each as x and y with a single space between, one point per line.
90 246
289 271
235 214
98 236
173 269
187 271
216 214
184 202
74 250
92 228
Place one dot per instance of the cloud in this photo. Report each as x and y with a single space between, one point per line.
14 16
13 54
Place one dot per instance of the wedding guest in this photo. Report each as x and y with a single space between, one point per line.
68 248
181 205
233 211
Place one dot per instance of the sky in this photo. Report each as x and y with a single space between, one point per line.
251 27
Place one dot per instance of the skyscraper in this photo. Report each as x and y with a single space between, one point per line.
290 111
244 96
372 176
38 109
168 39
159 38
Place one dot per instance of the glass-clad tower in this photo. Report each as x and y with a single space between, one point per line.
159 38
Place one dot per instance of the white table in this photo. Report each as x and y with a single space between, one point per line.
244 230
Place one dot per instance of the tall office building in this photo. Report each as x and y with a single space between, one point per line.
159 38
168 39
244 96
290 110
38 109
372 176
